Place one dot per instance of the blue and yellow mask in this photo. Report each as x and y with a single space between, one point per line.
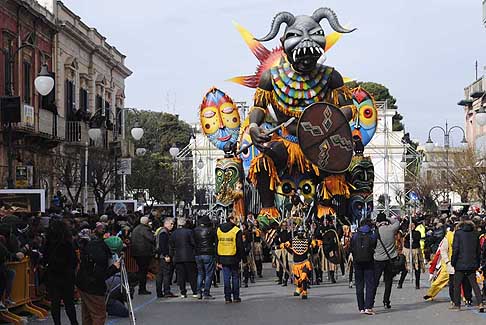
220 120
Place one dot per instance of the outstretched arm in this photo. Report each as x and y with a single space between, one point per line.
259 110
340 95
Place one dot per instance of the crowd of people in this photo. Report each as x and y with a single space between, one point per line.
453 248
79 257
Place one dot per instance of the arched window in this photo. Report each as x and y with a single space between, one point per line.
71 76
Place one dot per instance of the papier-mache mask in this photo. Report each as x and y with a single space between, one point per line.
220 119
366 121
228 176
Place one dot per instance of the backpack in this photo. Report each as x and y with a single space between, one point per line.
362 248
94 261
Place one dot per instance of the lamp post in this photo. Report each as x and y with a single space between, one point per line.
429 146
174 152
197 164
43 83
96 133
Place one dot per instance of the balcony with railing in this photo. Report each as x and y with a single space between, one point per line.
476 90
76 133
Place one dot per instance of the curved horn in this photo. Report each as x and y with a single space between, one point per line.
279 19
327 13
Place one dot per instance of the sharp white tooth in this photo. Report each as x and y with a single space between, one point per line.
321 50
298 51
295 56
312 50
304 50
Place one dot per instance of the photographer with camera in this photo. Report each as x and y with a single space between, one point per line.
95 268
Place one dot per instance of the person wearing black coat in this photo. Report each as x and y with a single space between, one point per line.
61 266
143 245
362 247
95 268
205 240
465 259
182 246
162 249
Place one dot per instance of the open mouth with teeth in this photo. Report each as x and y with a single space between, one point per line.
311 52
305 56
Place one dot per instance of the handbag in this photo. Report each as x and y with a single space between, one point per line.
397 264
154 266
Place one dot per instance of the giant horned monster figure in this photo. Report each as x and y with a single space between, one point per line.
285 91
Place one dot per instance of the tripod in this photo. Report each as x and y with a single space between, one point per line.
126 285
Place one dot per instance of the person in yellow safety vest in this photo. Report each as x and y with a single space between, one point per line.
230 251
421 229
446 273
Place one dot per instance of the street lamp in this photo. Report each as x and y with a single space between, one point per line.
44 83
200 163
174 152
95 134
140 152
429 146
137 132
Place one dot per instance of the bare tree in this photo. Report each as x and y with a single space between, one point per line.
101 174
467 177
67 170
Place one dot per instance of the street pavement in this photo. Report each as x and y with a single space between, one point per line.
267 303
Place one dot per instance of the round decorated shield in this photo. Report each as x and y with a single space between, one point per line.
333 249
325 137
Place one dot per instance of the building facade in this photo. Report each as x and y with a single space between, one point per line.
27 40
471 103
91 74
89 90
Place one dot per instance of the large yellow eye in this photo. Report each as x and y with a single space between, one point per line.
367 116
286 187
230 115
210 120
307 189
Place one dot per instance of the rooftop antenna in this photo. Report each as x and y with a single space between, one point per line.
476 69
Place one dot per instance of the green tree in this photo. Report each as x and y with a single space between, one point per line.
379 91
397 124
156 174
161 131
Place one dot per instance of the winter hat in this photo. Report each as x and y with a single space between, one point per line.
204 220
85 234
100 227
115 244
381 217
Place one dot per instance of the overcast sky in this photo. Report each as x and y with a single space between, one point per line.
424 51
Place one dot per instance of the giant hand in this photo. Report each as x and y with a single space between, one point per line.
258 136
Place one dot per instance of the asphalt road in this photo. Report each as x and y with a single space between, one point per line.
267 303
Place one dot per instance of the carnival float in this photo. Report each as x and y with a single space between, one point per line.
298 155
